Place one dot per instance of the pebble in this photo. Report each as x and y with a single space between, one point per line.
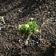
0 28
26 42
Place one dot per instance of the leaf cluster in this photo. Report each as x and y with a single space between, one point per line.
33 26
27 30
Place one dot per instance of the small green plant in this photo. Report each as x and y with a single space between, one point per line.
28 28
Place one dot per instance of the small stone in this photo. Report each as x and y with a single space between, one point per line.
19 40
48 12
0 28
5 9
37 42
26 43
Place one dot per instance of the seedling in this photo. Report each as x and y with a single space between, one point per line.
27 29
